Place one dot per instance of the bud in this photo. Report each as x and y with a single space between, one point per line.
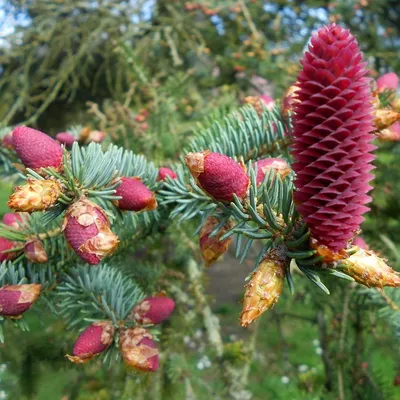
96 136
8 141
6 244
153 310
360 242
136 196
16 299
396 104
289 100
12 219
387 81
87 230
212 248
218 175
35 252
279 165
384 118
66 138
36 195
36 149
163 172
256 102
268 101
84 134
95 339
370 270
138 349
264 288
140 118
391 134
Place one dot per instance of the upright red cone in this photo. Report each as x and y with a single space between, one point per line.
136 196
218 175
36 149
16 299
87 230
95 339
138 349
332 138
153 310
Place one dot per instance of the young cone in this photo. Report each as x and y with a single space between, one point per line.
36 195
8 142
66 138
153 310
12 219
388 81
280 166
96 137
95 339
87 230
332 135
218 175
212 248
360 242
6 244
268 101
163 172
391 134
136 196
264 288
36 149
35 252
16 299
138 349
368 269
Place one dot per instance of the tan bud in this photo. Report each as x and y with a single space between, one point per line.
36 195
396 104
138 349
212 248
384 118
289 100
256 102
264 288
367 268
35 252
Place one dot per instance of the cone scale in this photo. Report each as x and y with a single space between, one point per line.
332 138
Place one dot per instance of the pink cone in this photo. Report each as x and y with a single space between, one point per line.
16 299
136 196
66 138
163 172
332 135
36 149
153 310
95 339
388 81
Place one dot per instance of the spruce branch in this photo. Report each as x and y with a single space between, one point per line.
245 134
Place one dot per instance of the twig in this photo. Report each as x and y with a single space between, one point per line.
324 345
345 315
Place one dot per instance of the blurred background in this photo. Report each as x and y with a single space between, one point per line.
151 74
